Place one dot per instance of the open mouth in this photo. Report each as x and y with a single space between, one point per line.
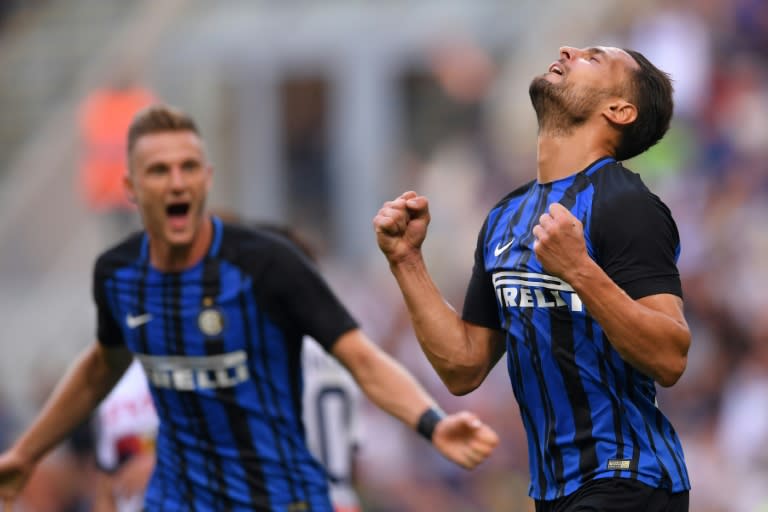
177 210
556 69
178 215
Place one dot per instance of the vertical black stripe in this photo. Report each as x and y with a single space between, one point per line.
194 410
582 182
252 463
143 346
295 370
616 409
533 192
564 352
553 454
289 463
526 413
241 431
141 304
213 469
611 382
260 342
510 340
174 346
673 436
666 480
622 392
660 426
515 218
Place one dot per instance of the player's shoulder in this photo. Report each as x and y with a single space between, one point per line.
622 194
254 246
618 187
250 238
319 365
614 179
119 255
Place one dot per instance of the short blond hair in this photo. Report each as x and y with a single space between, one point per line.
159 118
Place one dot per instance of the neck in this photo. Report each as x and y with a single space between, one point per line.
176 258
560 155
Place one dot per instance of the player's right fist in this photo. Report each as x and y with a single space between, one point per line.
401 226
14 473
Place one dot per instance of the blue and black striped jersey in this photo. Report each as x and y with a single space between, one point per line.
220 343
587 413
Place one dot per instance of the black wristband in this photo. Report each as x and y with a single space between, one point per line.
428 421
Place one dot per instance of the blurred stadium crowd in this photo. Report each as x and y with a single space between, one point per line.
466 141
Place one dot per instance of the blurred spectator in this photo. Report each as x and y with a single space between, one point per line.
9 8
104 117
7 422
742 430
678 41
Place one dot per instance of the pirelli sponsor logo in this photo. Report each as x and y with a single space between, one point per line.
190 373
532 290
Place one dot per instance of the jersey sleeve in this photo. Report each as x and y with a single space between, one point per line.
304 297
107 329
637 243
480 300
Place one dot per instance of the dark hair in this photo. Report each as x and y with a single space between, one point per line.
159 118
650 89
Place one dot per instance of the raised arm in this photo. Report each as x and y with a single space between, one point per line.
460 437
650 333
462 353
86 383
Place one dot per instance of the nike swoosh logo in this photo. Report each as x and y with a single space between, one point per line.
501 248
135 321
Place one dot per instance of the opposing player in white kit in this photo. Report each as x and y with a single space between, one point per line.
332 404
125 426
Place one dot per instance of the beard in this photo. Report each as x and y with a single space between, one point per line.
560 107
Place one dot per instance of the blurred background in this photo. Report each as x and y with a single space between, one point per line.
317 112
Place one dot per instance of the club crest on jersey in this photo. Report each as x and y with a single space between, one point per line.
532 290
210 321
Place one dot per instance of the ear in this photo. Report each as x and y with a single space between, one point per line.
620 112
209 178
128 186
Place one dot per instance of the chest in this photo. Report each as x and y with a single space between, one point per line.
519 281
187 313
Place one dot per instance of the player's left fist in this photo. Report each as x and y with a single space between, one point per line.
464 439
559 245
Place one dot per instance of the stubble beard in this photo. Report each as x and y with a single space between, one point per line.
559 107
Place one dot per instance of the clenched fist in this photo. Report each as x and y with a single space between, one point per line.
464 439
401 226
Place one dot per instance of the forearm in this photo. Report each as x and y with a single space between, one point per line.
87 381
441 332
651 341
391 388
103 496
